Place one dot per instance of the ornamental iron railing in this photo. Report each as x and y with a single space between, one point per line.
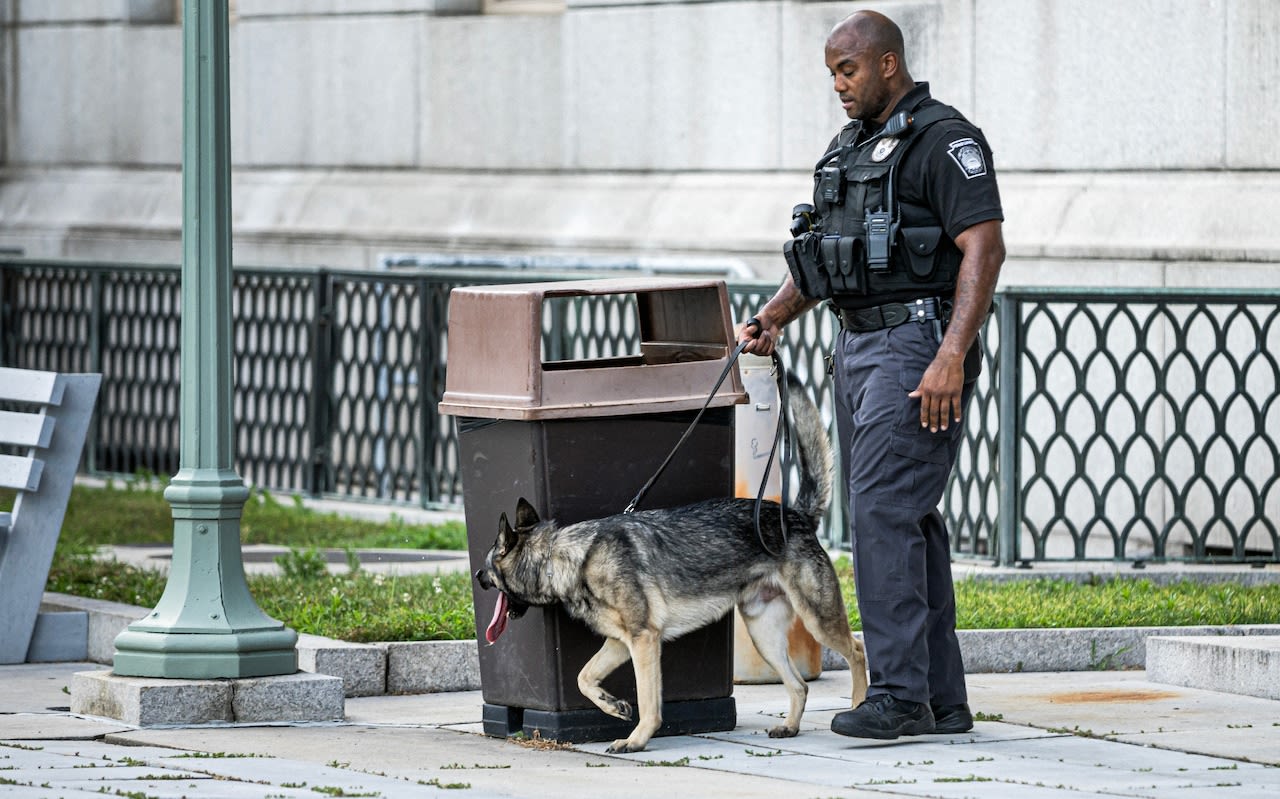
1106 425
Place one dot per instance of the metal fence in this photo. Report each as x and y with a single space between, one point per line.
1106 425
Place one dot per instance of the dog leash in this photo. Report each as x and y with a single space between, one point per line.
782 434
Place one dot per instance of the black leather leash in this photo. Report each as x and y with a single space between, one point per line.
781 435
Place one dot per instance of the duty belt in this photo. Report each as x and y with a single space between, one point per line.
865 320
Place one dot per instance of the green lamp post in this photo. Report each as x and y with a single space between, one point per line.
206 624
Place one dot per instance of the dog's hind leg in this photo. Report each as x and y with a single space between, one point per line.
819 604
768 622
646 657
612 655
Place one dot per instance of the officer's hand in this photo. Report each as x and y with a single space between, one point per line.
761 340
940 393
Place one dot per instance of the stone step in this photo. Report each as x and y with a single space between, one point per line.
1248 665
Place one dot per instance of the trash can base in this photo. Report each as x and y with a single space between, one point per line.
585 726
500 721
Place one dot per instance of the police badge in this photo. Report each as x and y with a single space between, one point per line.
884 148
968 156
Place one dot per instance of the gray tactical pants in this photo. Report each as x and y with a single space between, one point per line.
895 472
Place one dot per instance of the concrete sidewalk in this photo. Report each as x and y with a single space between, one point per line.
1058 734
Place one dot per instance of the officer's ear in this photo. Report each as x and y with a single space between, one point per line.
889 64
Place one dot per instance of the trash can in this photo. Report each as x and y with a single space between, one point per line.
756 424
578 437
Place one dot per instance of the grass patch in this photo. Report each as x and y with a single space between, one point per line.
360 607
364 607
1123 602
135 512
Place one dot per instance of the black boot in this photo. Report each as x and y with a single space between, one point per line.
885 718
952 718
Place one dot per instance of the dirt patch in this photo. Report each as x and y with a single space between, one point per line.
1080 697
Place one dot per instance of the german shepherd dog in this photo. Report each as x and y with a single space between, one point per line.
642 578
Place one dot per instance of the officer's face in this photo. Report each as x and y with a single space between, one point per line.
864 92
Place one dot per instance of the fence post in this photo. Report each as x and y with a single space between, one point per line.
426 405
320 411
6 335
1008 482
97 338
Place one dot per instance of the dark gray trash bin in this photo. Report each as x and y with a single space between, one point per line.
578 438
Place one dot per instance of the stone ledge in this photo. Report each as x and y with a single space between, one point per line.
153 701
1069 649
1247 666
1192 218
361 667
436 666
420 667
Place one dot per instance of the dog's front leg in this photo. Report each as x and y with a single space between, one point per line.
646 657
612 655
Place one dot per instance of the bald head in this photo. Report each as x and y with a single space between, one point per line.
865 55
872 30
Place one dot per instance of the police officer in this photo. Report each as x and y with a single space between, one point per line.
904 242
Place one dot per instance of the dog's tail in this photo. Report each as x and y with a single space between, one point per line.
813 452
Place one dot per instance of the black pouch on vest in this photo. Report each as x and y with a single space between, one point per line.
843 257
918 247
804 260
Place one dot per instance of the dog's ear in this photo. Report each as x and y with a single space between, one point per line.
526 516
506 536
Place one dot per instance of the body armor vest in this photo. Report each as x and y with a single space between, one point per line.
859 241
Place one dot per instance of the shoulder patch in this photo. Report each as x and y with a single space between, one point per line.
968 156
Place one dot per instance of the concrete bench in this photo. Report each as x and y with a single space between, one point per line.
45 414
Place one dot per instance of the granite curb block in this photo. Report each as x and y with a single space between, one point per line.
1248 666
1077 649
154 701
422 667
362 667
1066 649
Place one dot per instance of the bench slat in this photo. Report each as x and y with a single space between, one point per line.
19 473
25 385
25 429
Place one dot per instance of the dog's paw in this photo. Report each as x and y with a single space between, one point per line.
621 709
623 746
783 731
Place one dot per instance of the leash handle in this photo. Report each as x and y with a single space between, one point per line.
728 367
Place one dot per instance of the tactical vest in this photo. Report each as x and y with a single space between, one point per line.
858 240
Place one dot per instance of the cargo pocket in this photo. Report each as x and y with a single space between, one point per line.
923 446
914 344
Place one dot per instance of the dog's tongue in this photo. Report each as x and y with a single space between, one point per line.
498 624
